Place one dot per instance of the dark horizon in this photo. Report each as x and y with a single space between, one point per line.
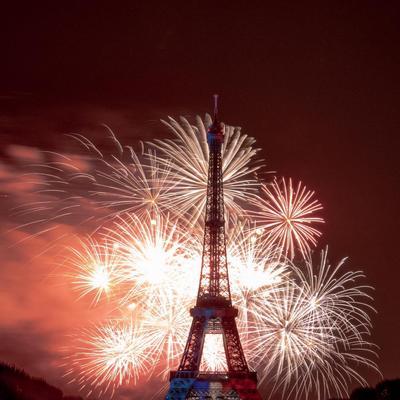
317 86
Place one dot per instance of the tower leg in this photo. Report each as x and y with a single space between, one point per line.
194 346
233 348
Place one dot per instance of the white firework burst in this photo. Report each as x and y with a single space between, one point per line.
107 356
287 214
309 336
187 156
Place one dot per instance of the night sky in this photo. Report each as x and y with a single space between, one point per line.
317 85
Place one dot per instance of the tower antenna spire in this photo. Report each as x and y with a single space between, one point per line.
215 107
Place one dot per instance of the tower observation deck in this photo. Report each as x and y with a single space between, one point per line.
214 312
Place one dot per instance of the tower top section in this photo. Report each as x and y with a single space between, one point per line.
216 131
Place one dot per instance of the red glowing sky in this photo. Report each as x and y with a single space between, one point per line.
318 87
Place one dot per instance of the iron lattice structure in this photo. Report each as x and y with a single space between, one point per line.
214 312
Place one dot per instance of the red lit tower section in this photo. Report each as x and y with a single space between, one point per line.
213 312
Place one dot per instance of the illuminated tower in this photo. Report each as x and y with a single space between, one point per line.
213 312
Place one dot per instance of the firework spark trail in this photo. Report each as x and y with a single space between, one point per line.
126 181
93 268
152 256
56 199
348 306
166 323
187 156
255 268
94 187
108 356
158 266
157 255
214 358
104 185
310 336
175 179
139 185
287 213
304 327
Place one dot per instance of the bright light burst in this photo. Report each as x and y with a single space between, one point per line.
93 187
127 181
287 213
167 176
109 356
309 337
214 358
304 329
157 256
187 157
93 268
137 185
255 268
166 323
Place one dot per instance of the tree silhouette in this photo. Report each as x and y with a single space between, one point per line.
385 390
388 390
16 384
363 393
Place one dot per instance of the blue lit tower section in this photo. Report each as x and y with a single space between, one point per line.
213 312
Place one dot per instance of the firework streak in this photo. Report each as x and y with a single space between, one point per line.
304 327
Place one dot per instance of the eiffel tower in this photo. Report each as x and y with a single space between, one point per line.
213 312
